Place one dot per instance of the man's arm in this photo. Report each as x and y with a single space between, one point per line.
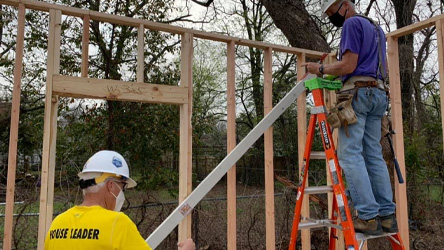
346 66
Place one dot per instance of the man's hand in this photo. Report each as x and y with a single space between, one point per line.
187 244
312 67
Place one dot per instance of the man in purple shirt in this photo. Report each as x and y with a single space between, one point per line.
362 68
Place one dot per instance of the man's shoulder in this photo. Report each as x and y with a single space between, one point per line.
88 212
355 20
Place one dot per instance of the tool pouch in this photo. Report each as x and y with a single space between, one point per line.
342 114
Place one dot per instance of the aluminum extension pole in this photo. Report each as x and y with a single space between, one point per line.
213 178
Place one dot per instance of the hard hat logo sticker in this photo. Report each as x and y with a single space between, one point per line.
117 162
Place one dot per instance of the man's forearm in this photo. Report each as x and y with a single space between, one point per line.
337 69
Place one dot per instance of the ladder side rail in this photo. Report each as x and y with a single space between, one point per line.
302 182
338 189
396 242
333 230
187 205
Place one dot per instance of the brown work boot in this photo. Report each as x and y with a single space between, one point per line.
369 227
389 223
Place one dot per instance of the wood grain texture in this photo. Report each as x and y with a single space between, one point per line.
302 137
185 151
398 139
80 87
14 128
231 144
269 156
50 128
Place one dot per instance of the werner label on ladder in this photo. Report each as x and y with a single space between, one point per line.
341 218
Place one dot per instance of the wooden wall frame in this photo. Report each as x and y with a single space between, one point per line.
181 95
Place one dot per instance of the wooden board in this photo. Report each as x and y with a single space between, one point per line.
80 87
13 136
185 164
231 144
302 137
85 46
398 139
50 128
268 148
415 27
140 54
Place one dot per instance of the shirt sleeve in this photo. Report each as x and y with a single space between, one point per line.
351 36
130 236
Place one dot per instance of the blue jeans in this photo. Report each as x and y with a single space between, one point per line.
360 156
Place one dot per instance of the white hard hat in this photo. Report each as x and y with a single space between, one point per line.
111 162
326 4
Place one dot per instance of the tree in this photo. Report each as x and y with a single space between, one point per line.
404 17
292 17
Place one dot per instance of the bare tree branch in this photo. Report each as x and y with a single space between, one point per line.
369 7
206 4
296 24
176 19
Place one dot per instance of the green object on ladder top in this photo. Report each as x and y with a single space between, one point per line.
321 83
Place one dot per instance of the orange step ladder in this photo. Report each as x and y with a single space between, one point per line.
341 218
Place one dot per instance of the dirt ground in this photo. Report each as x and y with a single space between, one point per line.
209 222
149 208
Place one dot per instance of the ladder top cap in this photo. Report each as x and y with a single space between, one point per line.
321 83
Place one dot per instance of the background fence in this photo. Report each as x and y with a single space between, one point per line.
149 208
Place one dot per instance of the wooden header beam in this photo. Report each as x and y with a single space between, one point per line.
81 87
134 22
415 27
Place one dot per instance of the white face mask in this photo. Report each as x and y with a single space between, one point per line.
120 198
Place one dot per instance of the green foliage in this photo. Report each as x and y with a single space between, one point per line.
424 152
161 177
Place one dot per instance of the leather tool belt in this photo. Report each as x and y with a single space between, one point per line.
362 82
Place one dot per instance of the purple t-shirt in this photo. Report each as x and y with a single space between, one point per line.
359 36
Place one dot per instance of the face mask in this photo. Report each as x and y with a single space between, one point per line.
336 19
120 198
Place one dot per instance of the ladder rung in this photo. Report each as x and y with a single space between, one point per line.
317 155
308 225
361 236
314 223
318 190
